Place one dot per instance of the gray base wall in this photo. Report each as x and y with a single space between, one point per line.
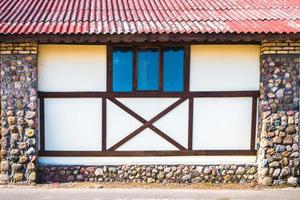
150 173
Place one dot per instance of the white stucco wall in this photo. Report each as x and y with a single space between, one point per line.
219 123
224 67
72 68
73 124
222 123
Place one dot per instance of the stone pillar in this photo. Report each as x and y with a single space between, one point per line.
18 112
278 152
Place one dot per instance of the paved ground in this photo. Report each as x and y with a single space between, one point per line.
145 194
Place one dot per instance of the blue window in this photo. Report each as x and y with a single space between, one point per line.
122 62
148 69
173 69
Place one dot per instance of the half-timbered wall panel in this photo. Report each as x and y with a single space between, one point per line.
80 118
73 124
72 68
222 123
120 123
224 67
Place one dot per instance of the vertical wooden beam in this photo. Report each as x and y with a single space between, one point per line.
253 123
187 52
42 124
109 68
134 68
104 124
190 125
161 69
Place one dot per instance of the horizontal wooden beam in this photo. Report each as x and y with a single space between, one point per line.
183 38
198 94
147 153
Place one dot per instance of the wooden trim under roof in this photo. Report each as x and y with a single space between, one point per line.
191 38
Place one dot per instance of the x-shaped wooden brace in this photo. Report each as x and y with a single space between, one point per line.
147 124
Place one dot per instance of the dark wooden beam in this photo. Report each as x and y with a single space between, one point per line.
185 38
104 124
253 123
134 70
42 124
187 57
203 94
190 123
147 153
109 68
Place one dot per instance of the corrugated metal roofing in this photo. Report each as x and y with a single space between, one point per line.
148 16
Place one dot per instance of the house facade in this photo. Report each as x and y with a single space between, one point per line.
150 91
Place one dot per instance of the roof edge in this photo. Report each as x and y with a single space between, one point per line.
149 38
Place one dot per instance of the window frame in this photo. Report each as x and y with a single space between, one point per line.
135 48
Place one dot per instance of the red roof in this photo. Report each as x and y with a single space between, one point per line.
148 16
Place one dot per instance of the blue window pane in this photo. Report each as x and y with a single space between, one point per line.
147 69
122 70
173 66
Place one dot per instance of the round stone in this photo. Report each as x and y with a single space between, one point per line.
32 177
4 131
160 176
150 180
291 120
277 140
292 181
288 140
280 148
70 178
266 181
11 120
30 141
285 172
252 170
4 165
22 145
240 171
98 172
274 164
23 159
16 166
186 178
276 173
4 177
29 132
15 152
18 177
31 166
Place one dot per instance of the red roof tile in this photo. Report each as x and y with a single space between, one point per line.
149 16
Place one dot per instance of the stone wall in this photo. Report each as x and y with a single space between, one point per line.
278 154
18 112
150 173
